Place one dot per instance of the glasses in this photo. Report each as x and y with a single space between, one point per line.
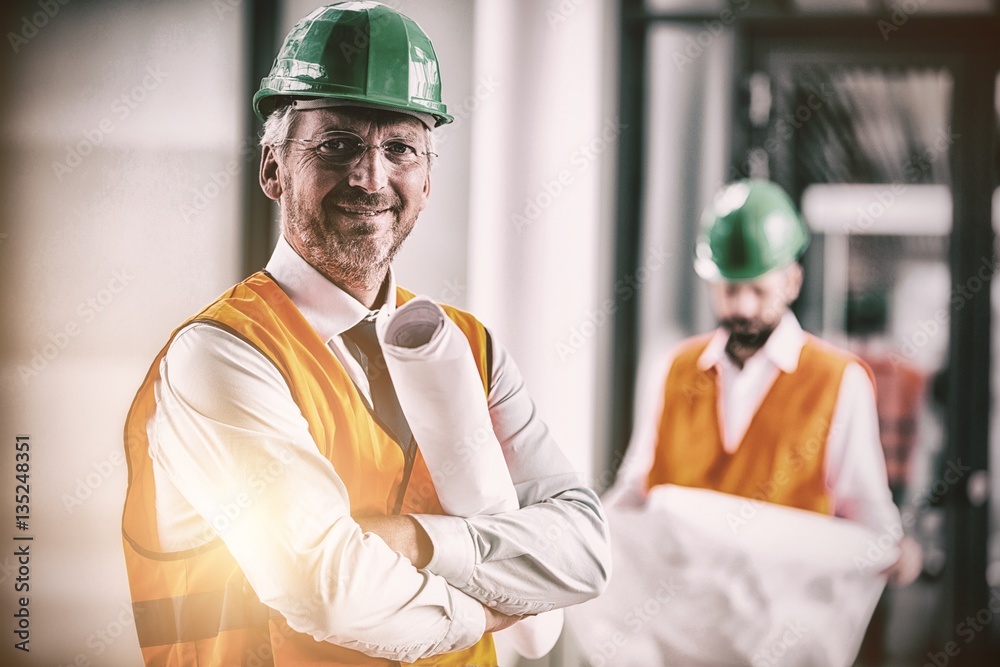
345 148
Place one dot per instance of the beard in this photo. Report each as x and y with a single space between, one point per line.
355 255
747 333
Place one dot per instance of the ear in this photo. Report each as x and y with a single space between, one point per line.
270 173
427 190
793 278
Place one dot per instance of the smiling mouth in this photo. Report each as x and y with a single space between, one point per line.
363 212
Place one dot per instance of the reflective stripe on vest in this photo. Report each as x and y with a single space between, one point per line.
195 607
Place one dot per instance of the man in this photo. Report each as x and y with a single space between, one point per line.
278 510
759 408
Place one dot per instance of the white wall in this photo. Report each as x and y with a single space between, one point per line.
543 151
100 262
688 125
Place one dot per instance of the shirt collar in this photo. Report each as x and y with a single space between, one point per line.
782 347
329 309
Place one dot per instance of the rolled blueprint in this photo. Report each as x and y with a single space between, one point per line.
440 391
441 394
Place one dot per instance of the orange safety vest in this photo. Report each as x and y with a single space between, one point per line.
781 458
195 607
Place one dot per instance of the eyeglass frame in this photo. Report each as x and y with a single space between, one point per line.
365 147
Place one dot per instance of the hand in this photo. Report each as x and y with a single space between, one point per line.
909 564
495 621
403 534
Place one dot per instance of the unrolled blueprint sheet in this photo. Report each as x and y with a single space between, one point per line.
702 578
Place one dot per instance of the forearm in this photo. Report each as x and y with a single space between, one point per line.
351 590
521 565
403 534
551 554
855 461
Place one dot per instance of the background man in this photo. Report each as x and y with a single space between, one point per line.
278 507
759 408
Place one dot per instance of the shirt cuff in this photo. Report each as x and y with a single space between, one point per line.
466 625
454 556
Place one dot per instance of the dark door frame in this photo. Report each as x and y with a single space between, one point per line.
263 22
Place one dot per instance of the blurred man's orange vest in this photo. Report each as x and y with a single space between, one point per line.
781 459
195 607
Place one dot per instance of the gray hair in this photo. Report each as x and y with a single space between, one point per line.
279 124
277 127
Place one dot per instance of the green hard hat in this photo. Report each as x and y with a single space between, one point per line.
750 227
357 51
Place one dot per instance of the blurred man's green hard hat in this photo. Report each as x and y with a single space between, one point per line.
361 52
751 227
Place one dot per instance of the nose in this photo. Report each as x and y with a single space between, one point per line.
745 303
369 173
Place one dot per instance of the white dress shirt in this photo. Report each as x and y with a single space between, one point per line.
854 463
232 455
